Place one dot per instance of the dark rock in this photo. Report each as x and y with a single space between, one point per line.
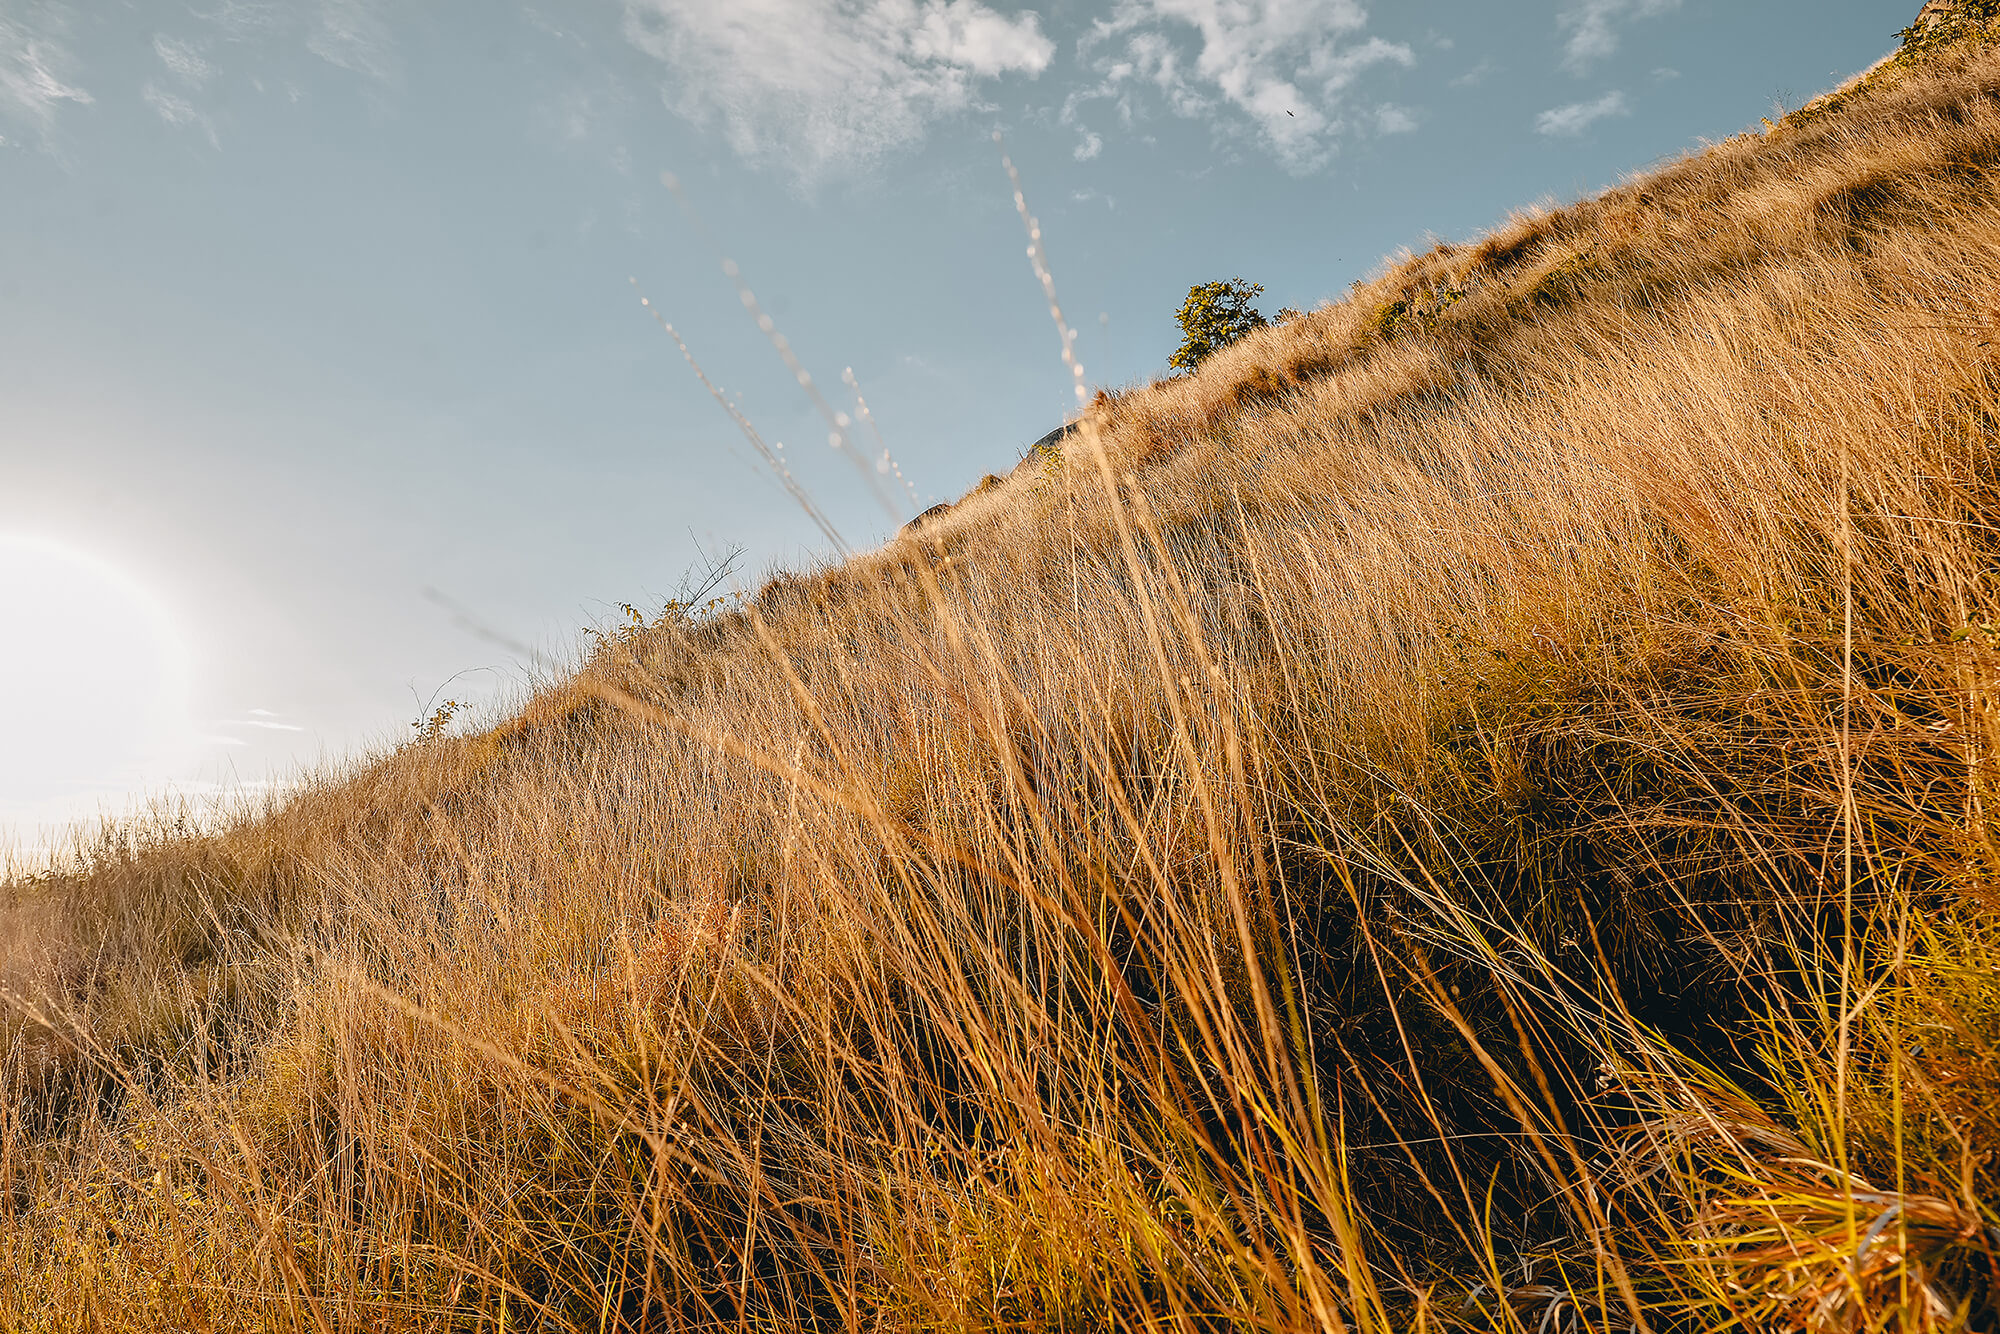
1054 438
934 512
1044 447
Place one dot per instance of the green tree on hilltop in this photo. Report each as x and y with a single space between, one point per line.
1214 316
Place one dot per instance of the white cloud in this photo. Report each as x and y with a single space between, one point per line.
183 61
1283 65
1089 145
191 71
1590 27
1392 119
968 34
34 63
821 87
178 111
1569 121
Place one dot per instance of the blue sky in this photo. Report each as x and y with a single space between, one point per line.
310 306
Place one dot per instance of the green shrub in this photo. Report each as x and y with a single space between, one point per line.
1214 316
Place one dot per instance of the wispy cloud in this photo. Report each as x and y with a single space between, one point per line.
178 111
228 732
183 60
1477 75
35 63
1393 119
238 20
263 718
190 72
1589 28
354 36
1282 66
1567 122
822 87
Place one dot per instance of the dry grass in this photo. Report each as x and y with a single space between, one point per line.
1470 813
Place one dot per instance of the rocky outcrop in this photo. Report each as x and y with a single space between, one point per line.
1049 445
1038 454
1055 438
1947 19
1934 11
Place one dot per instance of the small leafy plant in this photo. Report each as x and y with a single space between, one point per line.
433 727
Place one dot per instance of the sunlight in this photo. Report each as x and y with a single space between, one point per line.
93 687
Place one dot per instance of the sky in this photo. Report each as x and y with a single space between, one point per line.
323 364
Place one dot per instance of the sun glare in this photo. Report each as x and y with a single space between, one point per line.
93 684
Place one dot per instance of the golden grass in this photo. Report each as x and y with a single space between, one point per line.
1471 812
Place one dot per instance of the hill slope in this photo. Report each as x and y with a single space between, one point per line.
1469 812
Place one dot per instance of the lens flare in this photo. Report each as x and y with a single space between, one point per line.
94 681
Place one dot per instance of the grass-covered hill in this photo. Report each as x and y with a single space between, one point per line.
1472 811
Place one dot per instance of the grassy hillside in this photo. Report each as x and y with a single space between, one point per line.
1470 812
